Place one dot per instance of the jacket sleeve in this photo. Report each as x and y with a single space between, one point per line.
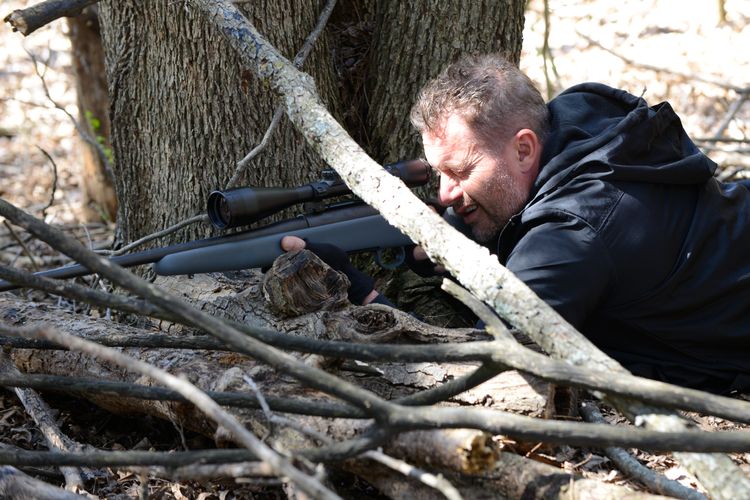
566 265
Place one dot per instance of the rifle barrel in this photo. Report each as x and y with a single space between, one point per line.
336 213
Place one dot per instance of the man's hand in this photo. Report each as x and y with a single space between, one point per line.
361 291
420 263
416 257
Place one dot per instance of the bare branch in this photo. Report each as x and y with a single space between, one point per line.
499 355
32 18
40 413
631 467
21 243
659 69
54 181
203 218
236 399
280 465
81 132
16 484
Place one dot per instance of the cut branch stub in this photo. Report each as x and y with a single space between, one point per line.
300 283
28 20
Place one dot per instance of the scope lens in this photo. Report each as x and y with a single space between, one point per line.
218 210
224 210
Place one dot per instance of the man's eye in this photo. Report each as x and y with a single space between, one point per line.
461 173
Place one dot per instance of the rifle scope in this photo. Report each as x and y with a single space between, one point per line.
243 206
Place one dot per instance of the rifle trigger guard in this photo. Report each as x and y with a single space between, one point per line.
393 261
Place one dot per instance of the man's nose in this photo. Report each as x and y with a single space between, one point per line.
450 191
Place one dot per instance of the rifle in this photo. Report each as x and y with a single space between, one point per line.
351 225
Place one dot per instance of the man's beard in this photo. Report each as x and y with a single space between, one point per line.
507 199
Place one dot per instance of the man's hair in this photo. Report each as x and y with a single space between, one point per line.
494 97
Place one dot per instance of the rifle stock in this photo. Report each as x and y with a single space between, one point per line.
351 234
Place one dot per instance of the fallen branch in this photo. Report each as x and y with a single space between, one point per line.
82 386
505 353
633 468
32 18
38 410
280 465
98 458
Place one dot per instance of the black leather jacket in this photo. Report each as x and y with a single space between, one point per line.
628 235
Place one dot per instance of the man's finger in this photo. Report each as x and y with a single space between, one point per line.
419 253
292 243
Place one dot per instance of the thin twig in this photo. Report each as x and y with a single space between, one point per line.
436 482
493 324
659 69
83 294
54 182
81 132
731 113
633 468
24 248
171 229
243 163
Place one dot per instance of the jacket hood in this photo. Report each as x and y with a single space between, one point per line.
601 132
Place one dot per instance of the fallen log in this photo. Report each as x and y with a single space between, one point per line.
513 476
247 300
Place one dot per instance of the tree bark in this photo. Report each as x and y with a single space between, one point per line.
185 111
413 42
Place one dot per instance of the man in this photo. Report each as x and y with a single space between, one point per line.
606 209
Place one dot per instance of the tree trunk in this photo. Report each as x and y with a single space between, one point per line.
413 42
93 113
184 111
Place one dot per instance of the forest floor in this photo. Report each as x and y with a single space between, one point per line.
660 49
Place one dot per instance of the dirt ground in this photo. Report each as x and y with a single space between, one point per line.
661 49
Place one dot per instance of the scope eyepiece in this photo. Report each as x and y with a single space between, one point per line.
411 172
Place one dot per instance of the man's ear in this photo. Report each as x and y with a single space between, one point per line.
528 149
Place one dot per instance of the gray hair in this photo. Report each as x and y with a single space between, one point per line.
494 97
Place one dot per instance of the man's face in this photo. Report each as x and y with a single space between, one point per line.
475 180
